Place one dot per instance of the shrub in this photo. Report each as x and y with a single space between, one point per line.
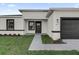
5 34
14 34
9 34
0 34
18 34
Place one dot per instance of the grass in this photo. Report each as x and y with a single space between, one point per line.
15 44
46 39
53 52
18 45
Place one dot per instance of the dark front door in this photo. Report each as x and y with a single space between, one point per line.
70 28
38 27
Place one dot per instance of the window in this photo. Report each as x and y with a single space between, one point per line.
10 24
31 25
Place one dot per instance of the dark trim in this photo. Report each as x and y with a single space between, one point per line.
33 10
10 16
11 30
68 17
60 26
56 31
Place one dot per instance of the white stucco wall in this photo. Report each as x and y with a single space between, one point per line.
18 25
21 23
52 21
58 14
50 25
34 15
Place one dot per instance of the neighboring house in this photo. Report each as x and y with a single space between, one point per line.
58 23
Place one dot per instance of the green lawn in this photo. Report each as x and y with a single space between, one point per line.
53 52
46 39
18 45
15 44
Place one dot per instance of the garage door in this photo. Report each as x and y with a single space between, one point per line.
70 28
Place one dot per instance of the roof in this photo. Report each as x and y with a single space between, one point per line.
64 8
50 11
33 10
5 16
53 9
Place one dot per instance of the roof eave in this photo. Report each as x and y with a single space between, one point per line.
64 8
33 10
5 16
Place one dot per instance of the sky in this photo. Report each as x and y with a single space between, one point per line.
12 8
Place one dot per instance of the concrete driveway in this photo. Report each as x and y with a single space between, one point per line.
69 44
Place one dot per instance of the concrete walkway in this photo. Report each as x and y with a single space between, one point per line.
70 44
36 43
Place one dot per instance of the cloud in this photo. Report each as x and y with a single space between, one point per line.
76 6
9 12
3 4
11 5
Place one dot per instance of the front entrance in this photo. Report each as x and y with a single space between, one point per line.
38 27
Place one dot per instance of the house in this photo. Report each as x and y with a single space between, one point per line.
58 23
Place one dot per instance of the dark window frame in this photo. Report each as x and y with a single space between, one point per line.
10 24
30 27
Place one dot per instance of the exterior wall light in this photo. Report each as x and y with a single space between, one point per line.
57 21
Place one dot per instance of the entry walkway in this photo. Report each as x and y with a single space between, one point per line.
36 43
70 44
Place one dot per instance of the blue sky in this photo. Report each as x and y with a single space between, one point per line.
12 8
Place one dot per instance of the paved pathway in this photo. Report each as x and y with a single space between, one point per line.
70 44
36 43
